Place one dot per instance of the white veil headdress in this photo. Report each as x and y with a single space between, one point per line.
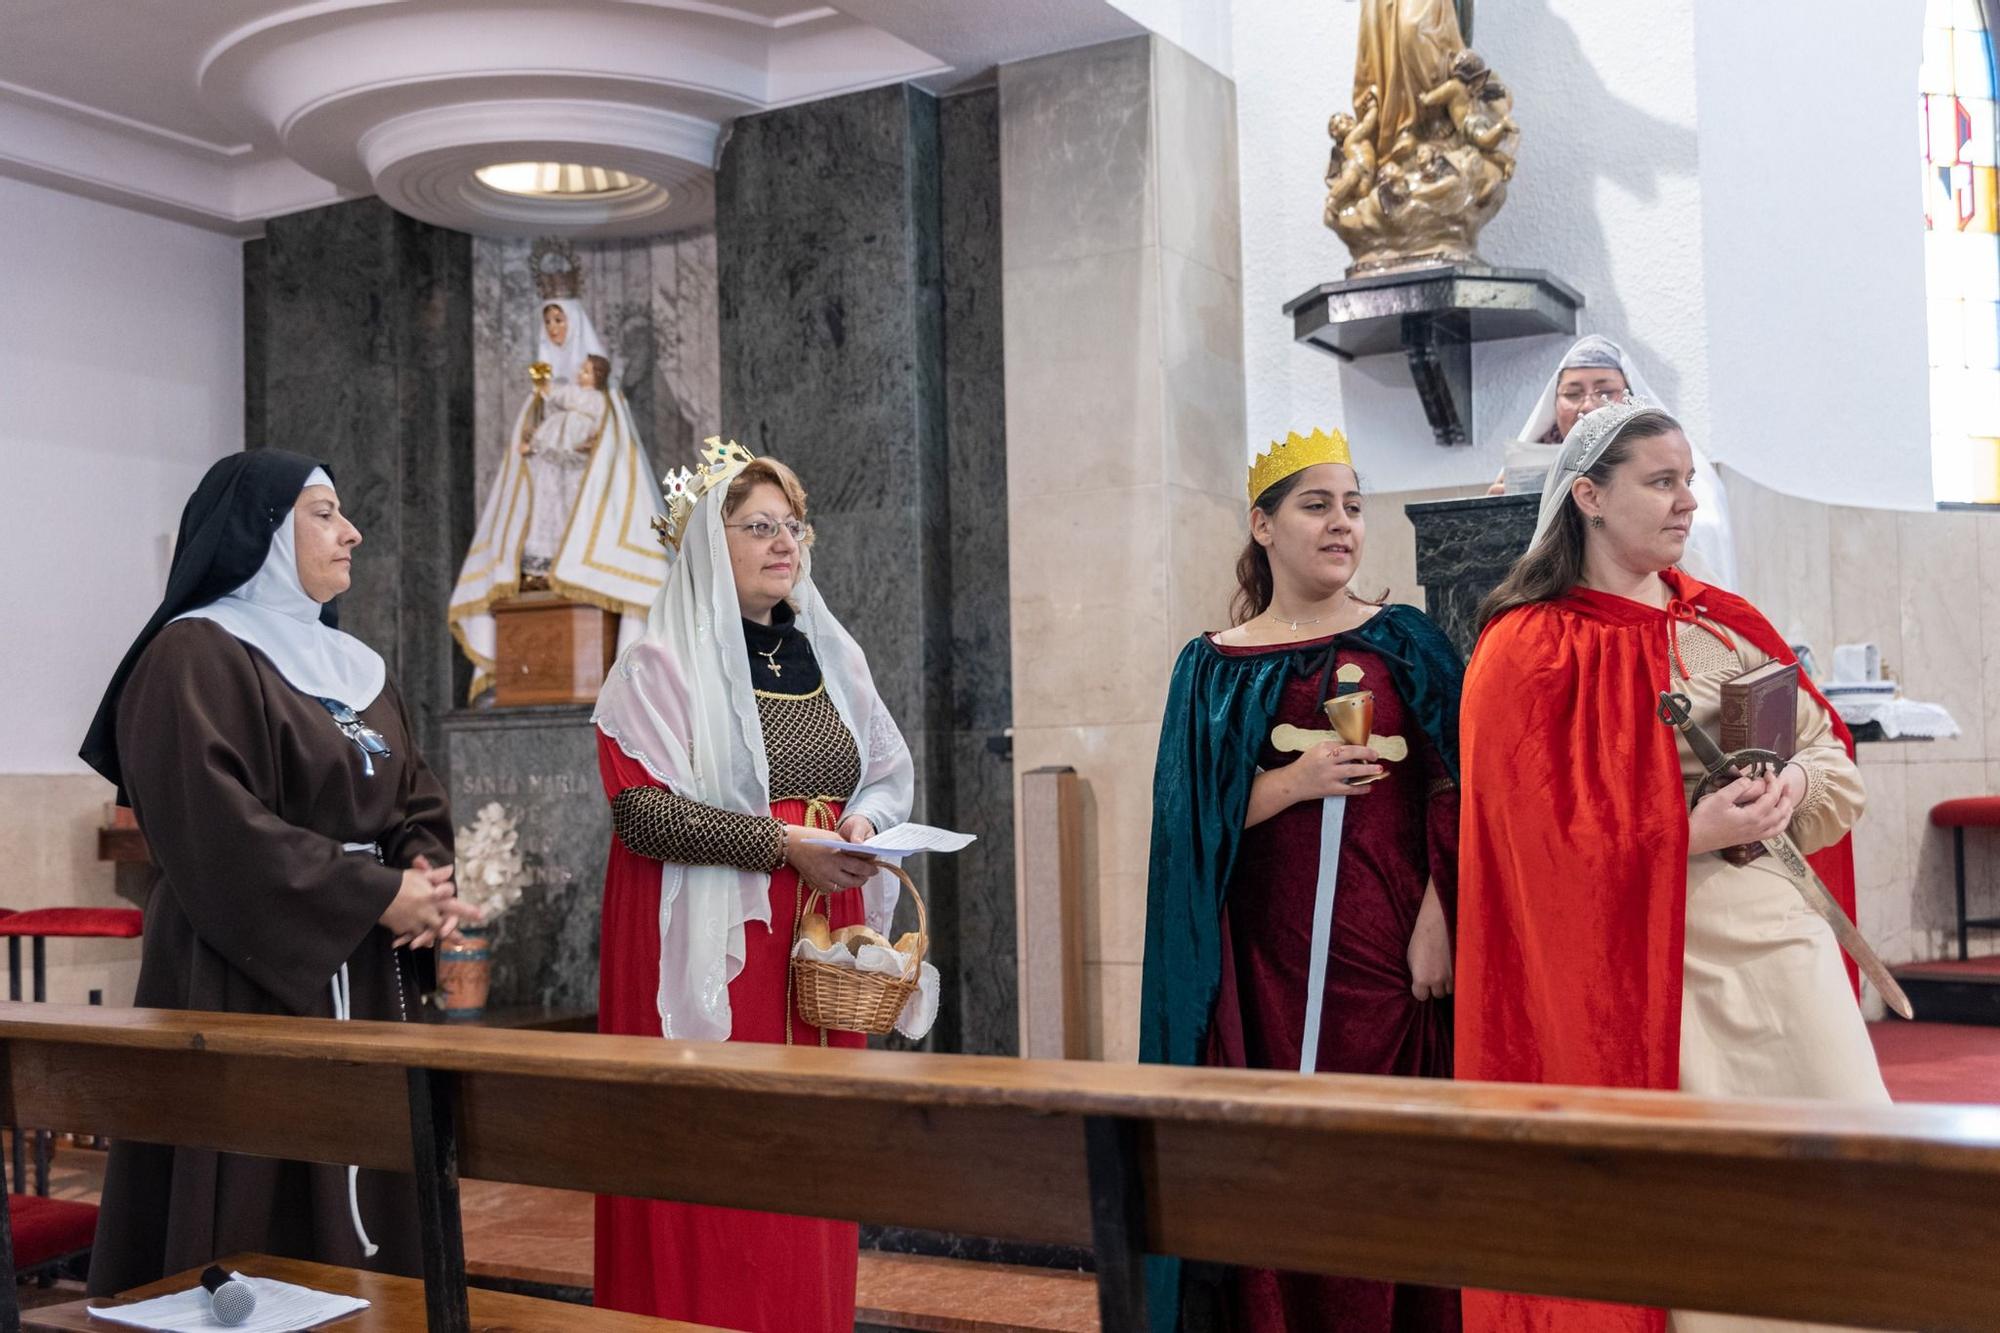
1711 552
564 361
680 701
1581 450
273 613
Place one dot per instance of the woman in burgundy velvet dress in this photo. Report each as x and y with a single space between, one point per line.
1247 758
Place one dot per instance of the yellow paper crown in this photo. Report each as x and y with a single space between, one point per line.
1295 453
682 489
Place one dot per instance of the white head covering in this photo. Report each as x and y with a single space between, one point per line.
1591 352
680 702
1711 553
274 614
581 341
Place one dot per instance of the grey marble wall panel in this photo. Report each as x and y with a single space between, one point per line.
653 303
857 259
364 337
1464 549
254 296
982 694
541 763
983 986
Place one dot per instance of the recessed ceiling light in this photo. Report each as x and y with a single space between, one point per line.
559 180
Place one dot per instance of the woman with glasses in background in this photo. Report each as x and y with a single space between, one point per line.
739 741
1595 372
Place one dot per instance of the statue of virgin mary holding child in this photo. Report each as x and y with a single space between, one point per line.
571 508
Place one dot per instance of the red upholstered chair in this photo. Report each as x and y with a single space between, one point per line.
42 923
1958 816
39 925
49 1234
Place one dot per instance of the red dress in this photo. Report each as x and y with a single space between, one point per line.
725 1267
1394 841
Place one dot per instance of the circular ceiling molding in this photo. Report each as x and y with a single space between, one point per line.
426 164
410 101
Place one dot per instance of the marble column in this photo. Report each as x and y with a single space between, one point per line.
358 348
855 240
1464 549
1125 446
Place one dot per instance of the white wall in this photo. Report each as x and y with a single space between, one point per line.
1731 186
122 341
1813 227
1202 28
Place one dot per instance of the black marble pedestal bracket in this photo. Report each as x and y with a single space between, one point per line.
1433 316
1464 549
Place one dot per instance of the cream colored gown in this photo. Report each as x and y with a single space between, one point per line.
1766 1009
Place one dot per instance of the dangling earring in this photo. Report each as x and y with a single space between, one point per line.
1597 521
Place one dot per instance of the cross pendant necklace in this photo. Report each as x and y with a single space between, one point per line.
771 659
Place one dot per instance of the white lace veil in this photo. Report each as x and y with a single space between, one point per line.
680 701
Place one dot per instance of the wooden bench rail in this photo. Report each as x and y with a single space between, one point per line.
1870 1216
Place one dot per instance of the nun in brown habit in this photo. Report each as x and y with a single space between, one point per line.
304 852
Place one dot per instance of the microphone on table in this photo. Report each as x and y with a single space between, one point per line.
230 1301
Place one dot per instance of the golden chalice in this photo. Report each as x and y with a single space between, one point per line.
1353 718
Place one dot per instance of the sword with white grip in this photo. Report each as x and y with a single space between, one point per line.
1676 711
1353 719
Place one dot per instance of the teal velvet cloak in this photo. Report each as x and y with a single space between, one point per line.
1218 715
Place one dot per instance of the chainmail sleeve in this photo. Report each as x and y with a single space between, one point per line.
656 823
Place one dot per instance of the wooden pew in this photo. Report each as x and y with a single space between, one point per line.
1878 1217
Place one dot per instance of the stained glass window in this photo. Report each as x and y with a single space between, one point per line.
1961 250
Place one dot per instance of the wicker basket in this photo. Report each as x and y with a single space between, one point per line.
846 999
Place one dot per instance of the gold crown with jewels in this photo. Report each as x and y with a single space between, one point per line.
682 489
1295 453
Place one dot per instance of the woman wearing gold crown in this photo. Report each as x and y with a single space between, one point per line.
1298 913
736 740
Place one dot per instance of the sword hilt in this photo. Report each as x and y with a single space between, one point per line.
1677 711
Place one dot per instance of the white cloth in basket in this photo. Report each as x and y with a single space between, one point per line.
919 1012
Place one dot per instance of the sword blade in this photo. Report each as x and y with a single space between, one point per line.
1814 891
1332 816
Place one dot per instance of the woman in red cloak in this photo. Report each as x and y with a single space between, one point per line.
1603 937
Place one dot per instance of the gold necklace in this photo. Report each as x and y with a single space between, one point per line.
771 658
1272 612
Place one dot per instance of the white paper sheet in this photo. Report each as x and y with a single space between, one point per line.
282 1307
907 840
